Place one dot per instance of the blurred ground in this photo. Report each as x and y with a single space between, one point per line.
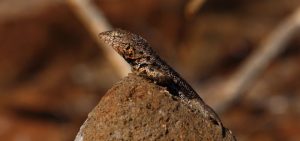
52 73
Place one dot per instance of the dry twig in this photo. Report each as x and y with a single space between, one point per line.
256 63
192 7
14 9
96 23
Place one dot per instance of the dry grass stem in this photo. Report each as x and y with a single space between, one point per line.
95 21
14 9
273 45
192 7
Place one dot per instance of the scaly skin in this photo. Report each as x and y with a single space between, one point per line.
146 63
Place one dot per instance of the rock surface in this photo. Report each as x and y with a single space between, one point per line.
136 109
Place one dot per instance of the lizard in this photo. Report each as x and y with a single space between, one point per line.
146 63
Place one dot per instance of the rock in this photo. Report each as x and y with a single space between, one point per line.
136 109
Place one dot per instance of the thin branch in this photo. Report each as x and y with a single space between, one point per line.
96 23
14 9
192 7
257 63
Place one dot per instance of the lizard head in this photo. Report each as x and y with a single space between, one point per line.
130 46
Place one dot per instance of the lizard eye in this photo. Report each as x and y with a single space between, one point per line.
143 65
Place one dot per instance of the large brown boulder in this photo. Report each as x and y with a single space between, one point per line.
136 109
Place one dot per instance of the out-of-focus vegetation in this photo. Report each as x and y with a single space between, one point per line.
52 73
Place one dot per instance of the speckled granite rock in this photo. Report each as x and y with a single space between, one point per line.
135 109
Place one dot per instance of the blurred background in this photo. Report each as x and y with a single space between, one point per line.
53 72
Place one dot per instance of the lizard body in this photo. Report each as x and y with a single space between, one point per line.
146 63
